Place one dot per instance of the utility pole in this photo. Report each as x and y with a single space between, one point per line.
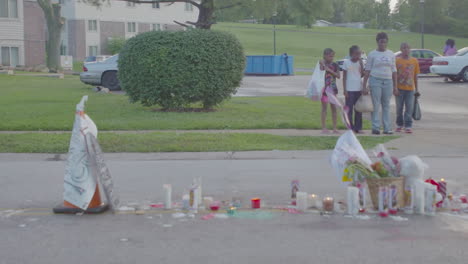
422 21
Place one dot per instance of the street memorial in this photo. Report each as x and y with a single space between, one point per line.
380 186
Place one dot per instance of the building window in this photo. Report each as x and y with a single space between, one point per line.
61 2
130 4
63 50
188 7
92 25
9 8
9 56
131 27
156 27
156 5
92 50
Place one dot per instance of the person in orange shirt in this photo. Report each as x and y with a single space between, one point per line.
407 83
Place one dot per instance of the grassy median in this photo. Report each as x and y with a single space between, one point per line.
174 142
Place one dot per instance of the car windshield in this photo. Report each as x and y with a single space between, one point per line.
90 59
112 59
462 52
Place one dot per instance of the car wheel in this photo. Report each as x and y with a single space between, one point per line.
455 79
109 80
464 74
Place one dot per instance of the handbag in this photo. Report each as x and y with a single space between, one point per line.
364 104
416 109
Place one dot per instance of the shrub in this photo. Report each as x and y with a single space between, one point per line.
175 69
115 45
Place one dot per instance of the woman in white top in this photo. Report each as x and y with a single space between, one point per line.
381 73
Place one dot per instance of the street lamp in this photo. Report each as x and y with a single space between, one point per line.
422 21
274 32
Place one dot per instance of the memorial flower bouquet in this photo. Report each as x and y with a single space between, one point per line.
358 171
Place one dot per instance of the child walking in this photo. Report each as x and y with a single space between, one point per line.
407 82
353 71
332 72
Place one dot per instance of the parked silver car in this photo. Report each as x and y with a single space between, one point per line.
102 73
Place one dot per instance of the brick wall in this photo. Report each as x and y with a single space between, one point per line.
109 30
34 34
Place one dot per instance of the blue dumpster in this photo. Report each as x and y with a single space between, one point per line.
270 65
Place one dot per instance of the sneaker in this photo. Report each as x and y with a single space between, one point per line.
325 132
375 132
399 129
360 132
388 132
408 131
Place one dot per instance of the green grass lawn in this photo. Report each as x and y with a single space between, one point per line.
174 142
307 45
38 103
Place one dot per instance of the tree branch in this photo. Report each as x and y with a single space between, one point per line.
181 24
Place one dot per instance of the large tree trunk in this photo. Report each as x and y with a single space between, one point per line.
205 15
54 28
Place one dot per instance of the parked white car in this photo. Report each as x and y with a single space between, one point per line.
453 67
102 73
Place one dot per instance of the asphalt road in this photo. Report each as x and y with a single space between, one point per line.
32 184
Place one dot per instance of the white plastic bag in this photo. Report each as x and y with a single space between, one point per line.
316 84
364 104
347 147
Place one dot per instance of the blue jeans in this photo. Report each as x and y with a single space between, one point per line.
381 91
351 100
405 100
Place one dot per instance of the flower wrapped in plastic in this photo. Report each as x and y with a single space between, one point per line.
349 159
388 166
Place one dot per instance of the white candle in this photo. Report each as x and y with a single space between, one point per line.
301 201
186 201
429 202
314 201
195 198
419 197
353 200
207 201
199 190
383 199
167 196
409 203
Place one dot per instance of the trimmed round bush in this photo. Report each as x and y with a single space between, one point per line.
175 69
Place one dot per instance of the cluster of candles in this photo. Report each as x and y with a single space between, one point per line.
356 197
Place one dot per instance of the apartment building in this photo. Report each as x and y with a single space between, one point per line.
87 29
22 33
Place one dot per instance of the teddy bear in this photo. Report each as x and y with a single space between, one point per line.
413 168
